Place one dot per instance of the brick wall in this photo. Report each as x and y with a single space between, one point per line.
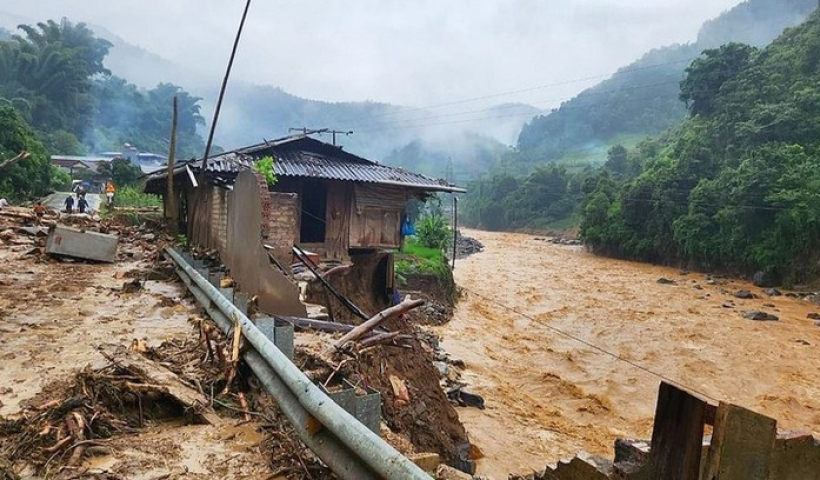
219 218
280 220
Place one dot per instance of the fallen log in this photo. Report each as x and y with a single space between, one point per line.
335 270
329 327
379 339
157 375
76 428
11 161
406 305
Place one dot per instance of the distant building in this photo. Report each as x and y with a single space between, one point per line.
72 164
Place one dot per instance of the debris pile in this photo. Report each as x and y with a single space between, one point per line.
466 246
72 420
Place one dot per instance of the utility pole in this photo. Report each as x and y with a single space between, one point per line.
170 201
222 92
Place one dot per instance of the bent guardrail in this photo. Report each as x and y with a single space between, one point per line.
347 446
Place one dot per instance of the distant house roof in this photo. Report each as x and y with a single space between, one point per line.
76 161
303 156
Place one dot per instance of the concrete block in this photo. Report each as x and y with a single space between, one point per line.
369 409
578 469
796 456
227 293
279 332
240 299
426 461
742 444
71 242
215 278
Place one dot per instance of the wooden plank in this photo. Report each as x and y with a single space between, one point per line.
157 375
677 436
337 220
742 445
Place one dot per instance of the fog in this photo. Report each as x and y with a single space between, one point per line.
415 53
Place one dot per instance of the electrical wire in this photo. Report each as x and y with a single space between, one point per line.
522 90
400 123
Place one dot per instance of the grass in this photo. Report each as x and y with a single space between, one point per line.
133 197
415 258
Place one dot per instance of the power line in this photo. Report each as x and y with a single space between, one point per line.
593 346
398 123
522 90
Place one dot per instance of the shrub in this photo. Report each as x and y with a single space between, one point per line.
265 167
433 232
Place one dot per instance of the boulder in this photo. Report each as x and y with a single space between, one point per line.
813 316
773 292
760 316
744 294
666 281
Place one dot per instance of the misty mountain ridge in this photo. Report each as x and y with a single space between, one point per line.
252 113
641 99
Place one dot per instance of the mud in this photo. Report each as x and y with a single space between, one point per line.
550 397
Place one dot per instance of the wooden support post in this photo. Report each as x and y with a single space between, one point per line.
677 438
171 214
742 445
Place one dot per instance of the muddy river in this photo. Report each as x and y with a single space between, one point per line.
549 397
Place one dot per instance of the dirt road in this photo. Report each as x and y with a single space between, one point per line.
54 315
550 397
57 201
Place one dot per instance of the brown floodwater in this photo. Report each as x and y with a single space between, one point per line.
549 397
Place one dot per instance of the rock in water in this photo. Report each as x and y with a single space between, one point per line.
666 281
813 316
773 292
760 316
744 294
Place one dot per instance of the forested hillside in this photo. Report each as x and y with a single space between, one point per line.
592 128
642 98
737 185
57 97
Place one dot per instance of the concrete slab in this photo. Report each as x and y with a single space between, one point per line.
71 242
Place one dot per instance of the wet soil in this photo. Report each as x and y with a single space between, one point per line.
53 317
549 397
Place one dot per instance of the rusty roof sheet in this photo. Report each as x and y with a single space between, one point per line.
307 157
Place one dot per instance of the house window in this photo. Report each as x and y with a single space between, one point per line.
314 209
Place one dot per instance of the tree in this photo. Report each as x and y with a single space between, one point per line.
617 162
27 178
121 171
709 72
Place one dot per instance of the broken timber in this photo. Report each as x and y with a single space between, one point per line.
344 300
404 306
166 380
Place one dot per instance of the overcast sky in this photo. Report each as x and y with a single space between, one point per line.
412 52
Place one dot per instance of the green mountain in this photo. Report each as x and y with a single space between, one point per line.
456 158
642 99
736 186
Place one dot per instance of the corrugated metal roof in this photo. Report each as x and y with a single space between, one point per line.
307 157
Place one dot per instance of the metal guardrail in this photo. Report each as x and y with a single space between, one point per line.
347 446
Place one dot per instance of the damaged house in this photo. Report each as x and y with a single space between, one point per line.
325 200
